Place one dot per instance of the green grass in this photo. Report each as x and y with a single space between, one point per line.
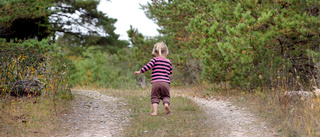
185 119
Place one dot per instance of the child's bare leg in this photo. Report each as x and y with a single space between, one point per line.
166 106
155 109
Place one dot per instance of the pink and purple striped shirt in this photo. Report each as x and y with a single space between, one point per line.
161 69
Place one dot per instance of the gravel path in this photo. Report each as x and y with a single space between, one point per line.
232 121
94 115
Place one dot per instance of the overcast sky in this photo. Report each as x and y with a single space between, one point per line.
128 12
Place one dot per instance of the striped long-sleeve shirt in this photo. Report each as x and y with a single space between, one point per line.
161 69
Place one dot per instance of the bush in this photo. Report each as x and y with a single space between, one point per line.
257 43
98 68
32 59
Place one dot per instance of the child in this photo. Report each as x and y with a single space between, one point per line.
160 77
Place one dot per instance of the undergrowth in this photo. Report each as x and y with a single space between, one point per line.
97 68
26 111
30 116
294 116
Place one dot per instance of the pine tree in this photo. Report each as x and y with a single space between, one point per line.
173 17
24 19
142 48
247 43
253 43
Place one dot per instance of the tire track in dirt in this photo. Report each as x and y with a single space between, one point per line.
94 115
231 121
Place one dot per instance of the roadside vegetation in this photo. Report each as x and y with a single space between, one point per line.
37 116
35 72
34 87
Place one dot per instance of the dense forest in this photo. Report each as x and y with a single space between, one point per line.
253 44
49 46
247 44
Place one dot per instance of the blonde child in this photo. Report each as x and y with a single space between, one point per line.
160 77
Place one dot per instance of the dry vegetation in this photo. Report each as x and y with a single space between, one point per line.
290 116
30 116
294 116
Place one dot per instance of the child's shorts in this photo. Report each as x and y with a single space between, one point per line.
160 91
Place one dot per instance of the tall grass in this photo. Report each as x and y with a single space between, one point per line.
294 116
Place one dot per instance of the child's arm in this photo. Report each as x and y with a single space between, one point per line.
146 67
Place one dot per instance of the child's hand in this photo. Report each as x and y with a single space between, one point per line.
137 72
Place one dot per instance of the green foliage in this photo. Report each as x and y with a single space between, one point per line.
25 60
78 20
25 8
92 27
102 35
110 45
173 17
98 68
256 42
25 19
250 45
142 49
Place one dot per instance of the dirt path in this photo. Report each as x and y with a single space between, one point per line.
94 115
97 115
232 121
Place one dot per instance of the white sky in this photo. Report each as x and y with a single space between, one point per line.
128 12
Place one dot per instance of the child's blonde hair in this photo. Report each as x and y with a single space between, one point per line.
160 48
